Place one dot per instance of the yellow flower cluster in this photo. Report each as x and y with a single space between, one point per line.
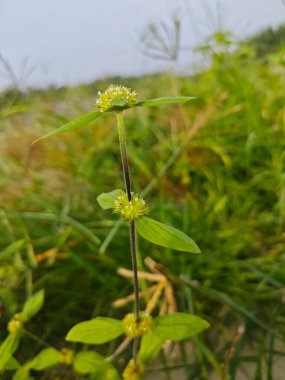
16 323
66 356
130 210
134 328
132 372
104 100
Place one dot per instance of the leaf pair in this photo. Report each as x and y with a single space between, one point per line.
174 327
119 104
152 230
84 362
100 330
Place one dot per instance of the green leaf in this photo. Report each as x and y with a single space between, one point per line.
164 101
33 304
166 236
90 362
178 326
12 364
107 200
22 374
82 121
150 347
11 249
46 358
15 110
7 349
97 331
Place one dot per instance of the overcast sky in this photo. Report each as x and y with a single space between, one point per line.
70 41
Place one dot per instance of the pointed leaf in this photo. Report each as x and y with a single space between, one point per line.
150 347
46 358
7 348
166 236
23 373
90 362
164 101
107 200
11 249
178 326
33 304
97 331
12 364
82 121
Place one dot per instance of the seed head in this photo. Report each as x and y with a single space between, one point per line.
134 328
130 210
103 102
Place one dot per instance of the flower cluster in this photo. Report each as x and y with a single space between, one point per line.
130 210
132 371
104 100
134 328
66 356
16 323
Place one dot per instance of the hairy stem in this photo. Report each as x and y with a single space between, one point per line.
124 156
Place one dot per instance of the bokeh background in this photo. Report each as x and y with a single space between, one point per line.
214 168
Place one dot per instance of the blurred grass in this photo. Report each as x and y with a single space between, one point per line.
215 169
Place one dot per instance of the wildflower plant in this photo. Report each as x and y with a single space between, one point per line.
147 333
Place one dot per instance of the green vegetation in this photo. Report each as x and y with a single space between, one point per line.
268 41
214 168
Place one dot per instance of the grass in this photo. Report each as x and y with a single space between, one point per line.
220 164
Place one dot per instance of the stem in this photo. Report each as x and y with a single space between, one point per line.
124 156
135 268
40 340
28 332
119 350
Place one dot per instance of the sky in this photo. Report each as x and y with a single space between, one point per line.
65 42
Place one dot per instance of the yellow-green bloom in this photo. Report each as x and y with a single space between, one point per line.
103 102
16 323
132 372
66 356
134 328
133 209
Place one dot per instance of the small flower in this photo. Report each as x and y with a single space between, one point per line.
16 324
134 328
130 210
66 356
132 371
104 100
